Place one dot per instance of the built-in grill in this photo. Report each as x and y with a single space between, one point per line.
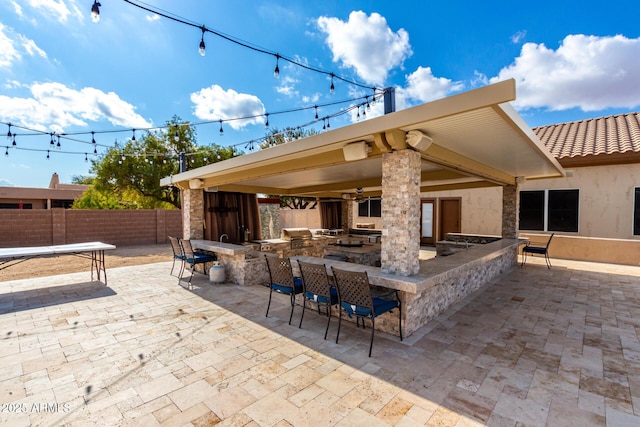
298 237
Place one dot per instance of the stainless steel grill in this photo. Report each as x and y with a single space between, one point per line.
298 237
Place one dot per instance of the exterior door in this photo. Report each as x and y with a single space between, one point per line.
427 223
450 215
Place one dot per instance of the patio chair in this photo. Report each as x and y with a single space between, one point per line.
193 258
356 299
281 280
540 250
178 255
317 288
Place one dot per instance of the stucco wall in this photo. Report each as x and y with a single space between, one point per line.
481 209
606 198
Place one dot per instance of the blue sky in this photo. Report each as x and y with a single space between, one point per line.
60 72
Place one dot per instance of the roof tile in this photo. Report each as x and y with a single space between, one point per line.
603 135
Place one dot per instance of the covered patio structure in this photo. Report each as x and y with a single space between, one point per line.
470 140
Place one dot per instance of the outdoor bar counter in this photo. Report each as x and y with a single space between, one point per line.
441 282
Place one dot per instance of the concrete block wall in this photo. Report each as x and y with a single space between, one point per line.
23 228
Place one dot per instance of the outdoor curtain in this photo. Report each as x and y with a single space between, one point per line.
230 214
331 215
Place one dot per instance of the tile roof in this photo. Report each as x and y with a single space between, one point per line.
600 136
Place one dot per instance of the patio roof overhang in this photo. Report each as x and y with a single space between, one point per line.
475 139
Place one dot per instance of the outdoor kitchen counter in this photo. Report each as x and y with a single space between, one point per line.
221 247
441 281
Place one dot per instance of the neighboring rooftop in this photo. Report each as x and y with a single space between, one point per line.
616 139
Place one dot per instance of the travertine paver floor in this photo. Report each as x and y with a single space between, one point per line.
533 348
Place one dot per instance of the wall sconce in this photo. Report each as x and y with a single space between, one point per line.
195 183
418 140
356 151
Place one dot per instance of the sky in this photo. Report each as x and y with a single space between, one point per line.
62 73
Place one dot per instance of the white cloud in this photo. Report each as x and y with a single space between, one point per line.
6 183
18 9
588 72
153 18
31 47
54 107
423 86
366 44
518 37
58 9
8 52
214 103
287 86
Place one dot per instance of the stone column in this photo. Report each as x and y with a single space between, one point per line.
510 214
193 214
347 216
401 212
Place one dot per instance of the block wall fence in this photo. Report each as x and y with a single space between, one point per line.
42 227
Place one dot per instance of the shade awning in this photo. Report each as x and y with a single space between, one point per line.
474 139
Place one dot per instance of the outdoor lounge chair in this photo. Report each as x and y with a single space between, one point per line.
317 288
282 281
193 258
178 255
540 250
356 299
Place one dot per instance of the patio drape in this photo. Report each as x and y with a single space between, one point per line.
331 215
231 213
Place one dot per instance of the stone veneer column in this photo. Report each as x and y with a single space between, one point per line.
193 214
401 212
510 217
347 216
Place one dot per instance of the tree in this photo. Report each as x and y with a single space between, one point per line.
132 172
277 137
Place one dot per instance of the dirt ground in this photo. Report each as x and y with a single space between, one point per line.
119 257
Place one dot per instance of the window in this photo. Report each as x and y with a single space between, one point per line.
550 210
370 208
636 213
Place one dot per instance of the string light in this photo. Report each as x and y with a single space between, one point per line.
51 143
48 157
201 49
9 132
6 152
95 11
14 140
332 88
248 144
276 71
221 130
176 18
266 124
133 136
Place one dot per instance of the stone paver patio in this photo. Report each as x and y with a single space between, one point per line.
535 347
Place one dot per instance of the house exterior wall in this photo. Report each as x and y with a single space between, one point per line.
481 209
606 198
43 227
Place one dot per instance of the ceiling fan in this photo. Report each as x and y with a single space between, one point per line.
358 197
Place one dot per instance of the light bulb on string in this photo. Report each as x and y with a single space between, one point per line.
316 107
328 123
176 136
86 159
276 71
133 136
51 143
364 112
6 152
202 49
9 132
266 124
95 151
93 139
95 11
48 157
58 145
332 88
14 140
221 130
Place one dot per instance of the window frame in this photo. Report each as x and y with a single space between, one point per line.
546 210
368 204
